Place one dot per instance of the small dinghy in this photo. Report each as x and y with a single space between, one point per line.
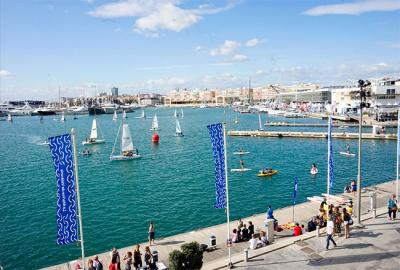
263 173
347 154
314 171
241 170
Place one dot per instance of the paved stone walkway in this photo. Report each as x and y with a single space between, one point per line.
213 259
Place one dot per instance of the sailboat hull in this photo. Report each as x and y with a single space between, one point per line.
95 142
134 156
179 135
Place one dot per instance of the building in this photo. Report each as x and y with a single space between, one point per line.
322 95
385 98
114 91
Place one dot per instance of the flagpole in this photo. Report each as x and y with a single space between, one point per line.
227 198
79 198
398 152
329 154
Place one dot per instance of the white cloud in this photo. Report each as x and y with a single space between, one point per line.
88 1
117 29
166 83
240 58
252 42
221 79
197 48
355 8
5 73
260 72
227 48
153 16
168 17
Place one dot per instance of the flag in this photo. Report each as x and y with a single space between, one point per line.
295 190
61 152
331 175
217 142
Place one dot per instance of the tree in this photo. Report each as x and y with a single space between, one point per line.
189 257
176 260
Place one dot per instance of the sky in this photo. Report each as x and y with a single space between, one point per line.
88 46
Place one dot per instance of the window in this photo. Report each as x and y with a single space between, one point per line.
393 91
388 91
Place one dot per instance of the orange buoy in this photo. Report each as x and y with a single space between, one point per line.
155 138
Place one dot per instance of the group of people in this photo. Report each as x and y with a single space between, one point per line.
242 232
130 259
333 219
352 188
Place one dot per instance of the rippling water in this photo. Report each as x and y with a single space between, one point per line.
173 184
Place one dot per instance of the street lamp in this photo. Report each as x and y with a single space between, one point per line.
364 94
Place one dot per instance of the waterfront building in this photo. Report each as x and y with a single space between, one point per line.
385 98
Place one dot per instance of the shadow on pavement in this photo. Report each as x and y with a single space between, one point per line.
354 258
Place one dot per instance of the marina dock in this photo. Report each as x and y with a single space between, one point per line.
309 135
286 124
217 258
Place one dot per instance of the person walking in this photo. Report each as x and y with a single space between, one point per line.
330 228
137 258
392 207
152 232
346 220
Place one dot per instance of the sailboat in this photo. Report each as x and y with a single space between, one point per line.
175 114
182 113
9 117
236 120
127 151
178 130
124 114
115 117
259 123
142 115
154 124
62 117
93 138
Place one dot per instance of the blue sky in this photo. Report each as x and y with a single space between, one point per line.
159 45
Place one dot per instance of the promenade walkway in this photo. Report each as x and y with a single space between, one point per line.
376 246
218 258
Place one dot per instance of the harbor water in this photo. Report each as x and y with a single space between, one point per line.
172 184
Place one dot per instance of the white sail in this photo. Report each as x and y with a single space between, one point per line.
115 117
124 114
143 115
259 122
126 140
181 113
178 127
154 124
9 118
175 114
62 117
93 133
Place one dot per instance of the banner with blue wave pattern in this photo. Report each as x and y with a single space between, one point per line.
295 190
331 174
217 141
61 152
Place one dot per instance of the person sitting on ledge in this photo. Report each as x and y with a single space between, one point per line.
311 226
253 242
297 230
235 236
245 233
264 239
